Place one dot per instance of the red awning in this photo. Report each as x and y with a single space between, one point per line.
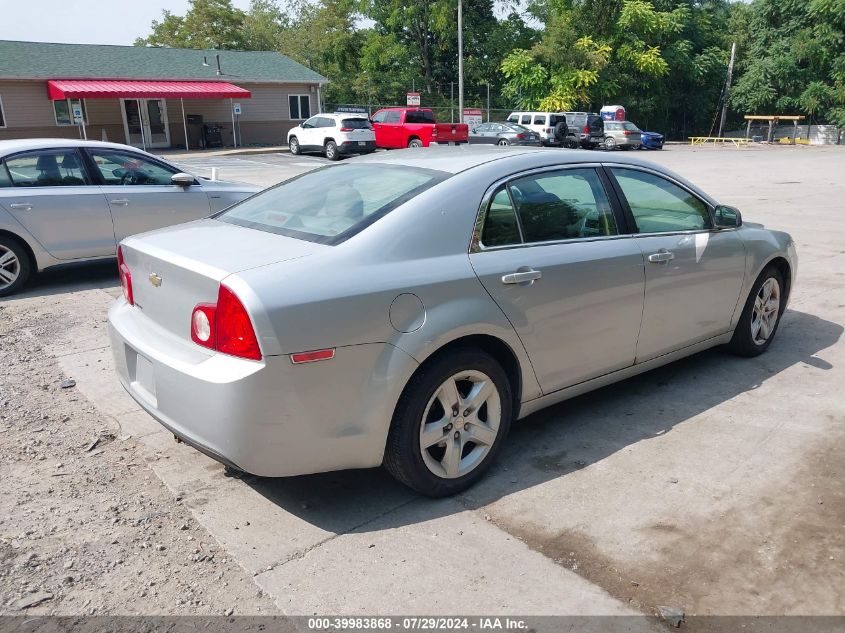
113 89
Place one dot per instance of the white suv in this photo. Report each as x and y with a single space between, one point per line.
541 122
333 135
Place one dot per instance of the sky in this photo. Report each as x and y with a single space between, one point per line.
85 21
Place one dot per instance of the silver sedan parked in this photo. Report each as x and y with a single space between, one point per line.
503 134
66 201
404 308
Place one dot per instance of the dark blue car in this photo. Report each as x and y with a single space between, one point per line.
651 140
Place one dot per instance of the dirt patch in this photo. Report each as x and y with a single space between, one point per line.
85 525
761 558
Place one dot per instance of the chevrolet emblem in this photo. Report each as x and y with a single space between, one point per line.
155 280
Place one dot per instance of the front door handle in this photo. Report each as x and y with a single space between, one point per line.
122 202
661 256
525 274
21 206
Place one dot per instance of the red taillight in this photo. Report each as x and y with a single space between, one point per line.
520 136
549 130
586 129
125 278
434 132
347 129
225 326
627 132
310 357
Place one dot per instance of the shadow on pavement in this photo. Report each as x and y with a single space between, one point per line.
567 437
70 278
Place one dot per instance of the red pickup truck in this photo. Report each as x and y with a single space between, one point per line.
414 127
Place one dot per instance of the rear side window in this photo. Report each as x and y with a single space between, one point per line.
325 121
332 204
47 168
630 126
419 116
659 205
526 119
562 205
500 225
540 119
356 124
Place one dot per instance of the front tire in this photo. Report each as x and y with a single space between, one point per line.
331 151
450 423
15 266
293 144
609 143
761 315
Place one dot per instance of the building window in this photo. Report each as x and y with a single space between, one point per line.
2 114
64 111
300 106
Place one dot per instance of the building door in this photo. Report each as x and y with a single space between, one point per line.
145 123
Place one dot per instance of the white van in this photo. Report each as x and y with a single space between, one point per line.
541 122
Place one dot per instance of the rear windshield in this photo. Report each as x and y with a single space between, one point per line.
419 116
356 124
332 204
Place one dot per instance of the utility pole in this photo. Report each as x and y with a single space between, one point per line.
460 62
488 102
452 101
727 90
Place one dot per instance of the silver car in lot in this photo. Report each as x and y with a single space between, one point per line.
503 134
621 135
65 201
403 309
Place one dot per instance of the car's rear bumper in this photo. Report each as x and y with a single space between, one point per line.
356 147
268 417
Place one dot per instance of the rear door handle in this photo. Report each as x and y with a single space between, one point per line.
522 276
661 256
122 202
21 206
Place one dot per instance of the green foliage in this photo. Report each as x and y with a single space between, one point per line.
665 60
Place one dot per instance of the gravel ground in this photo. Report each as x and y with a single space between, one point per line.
85 525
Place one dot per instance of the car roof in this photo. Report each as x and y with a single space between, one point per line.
344 115
25 144
454 160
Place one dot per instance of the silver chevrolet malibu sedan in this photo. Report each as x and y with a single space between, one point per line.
403 309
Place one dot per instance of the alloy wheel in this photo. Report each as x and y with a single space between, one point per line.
764 315
503 142
10 267
460 424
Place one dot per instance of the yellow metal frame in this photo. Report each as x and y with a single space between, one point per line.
718 140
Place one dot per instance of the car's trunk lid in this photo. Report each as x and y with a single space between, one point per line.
175 269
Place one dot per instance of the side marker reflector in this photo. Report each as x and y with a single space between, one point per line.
310 357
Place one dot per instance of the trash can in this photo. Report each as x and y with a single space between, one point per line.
213 134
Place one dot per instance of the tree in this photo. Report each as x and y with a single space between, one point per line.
207 24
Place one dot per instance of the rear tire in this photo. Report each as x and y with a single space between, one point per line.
503 142
331 151
761 315
293 144
15 267
415 143
457 398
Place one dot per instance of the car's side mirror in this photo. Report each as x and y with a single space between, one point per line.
727 217
183 180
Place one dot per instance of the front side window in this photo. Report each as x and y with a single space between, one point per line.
500 225
47 168
514 118
379 117
562 205
125 168
64 111
300 106
660 206
392 116
330 205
